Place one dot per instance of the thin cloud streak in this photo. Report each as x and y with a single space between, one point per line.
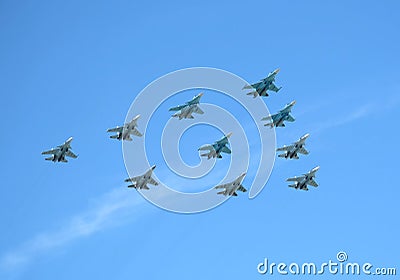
111 209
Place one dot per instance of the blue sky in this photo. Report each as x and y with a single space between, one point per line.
73 69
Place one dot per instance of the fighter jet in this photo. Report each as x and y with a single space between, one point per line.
60 152
215 150
301 182
297 147
278 118
124 132
140 182
232 187
186 110
260 88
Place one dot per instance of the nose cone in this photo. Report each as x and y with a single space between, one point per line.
200 94
292 103
276 71
305 136
315 169
137 117
69 140
243 174
153 167
229 134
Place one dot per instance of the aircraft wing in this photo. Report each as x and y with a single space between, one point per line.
177 108
198 110
152 181
295 179
290 118
273 87
312 183
303 151
206 147
252 86
285 148
70 154
136 132
242 189
50 152
270 117
133 179
226 150
223 186
116 129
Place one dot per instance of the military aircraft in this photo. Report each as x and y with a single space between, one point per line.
292 150
232 187
60 152
279 118
186 110
301 182
124 132
140 182
260 88
215 150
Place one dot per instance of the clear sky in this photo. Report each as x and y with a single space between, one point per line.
73 69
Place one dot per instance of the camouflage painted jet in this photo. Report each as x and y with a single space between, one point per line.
279 118
124 132
60 152
292 150
301 182
186 110
140 182
260 88
232 187
215 150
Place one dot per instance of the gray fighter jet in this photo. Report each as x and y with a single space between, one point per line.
60 152
140 182
186 110
279 118
215 150
232 187
292 150
301 182
124 132
260 88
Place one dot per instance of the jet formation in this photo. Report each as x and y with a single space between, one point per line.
124 132
260 88
60 152
186 110
215 150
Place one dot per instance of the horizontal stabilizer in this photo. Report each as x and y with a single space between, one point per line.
303 151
